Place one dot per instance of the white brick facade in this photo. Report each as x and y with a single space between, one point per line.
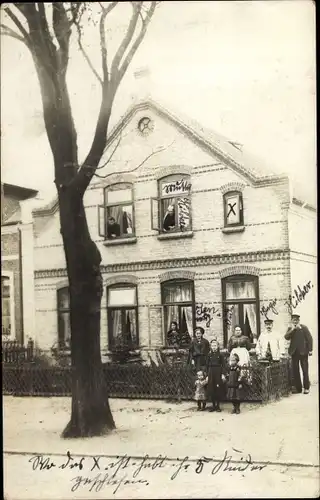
206 254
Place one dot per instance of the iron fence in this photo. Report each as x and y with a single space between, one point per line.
171 382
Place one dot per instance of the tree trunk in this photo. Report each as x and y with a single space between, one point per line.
91 415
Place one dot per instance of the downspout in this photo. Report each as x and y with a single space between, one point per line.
21 286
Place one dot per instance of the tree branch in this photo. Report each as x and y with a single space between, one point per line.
85 55
110 157
103 42
6 31
19 25
135 168
126 40
137 42
62 31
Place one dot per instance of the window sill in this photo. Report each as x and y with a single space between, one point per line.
120 241
172 350
235 229
174 236
110 352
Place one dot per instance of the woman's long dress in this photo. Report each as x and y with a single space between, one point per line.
215 370
198 352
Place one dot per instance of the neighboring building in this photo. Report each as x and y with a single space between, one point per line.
190 228
14 239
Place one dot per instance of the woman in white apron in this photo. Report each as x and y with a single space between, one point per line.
241 345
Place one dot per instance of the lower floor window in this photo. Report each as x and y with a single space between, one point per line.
241 306
6 303
122 318
178 303
244 315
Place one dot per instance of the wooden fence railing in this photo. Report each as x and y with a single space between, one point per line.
14 353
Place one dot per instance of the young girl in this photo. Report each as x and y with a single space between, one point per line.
216 375
234 384
200 394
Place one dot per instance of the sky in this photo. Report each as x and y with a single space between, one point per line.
244 69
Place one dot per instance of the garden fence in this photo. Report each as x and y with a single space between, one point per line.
172 382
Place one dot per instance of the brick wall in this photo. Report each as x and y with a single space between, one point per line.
303 268
265 214
265 221
274 282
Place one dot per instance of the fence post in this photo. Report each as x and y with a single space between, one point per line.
265 379
30 346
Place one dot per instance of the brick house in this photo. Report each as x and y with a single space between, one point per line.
191 229
14 245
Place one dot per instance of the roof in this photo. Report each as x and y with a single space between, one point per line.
230 151
19 191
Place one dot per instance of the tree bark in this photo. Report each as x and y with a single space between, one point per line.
90 415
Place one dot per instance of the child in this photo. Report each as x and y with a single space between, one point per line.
200 394
234 383
216 375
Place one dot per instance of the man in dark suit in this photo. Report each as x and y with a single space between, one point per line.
299 349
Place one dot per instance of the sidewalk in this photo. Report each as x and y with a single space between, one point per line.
286 431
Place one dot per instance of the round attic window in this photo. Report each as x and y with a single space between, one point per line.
145 125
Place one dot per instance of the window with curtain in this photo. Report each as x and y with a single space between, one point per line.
179 306
64 326
123 317
6 303
240 295
233 209
116 216
173 207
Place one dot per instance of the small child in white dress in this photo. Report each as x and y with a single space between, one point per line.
201 394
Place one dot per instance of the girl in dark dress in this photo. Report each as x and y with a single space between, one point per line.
199 350
216 375
234 384
173 335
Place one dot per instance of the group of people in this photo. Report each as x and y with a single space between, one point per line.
214 373
216 376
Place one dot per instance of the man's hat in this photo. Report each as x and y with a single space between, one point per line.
268 321
200 329
295 316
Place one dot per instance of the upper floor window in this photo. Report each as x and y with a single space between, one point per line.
7 302
233 209
116 216
64 326
240 295
171 211
122 317
178 303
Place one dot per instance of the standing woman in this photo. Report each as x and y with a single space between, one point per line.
199 350
240 344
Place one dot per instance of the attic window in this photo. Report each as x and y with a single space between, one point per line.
145 126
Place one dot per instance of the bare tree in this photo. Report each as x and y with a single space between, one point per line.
46 29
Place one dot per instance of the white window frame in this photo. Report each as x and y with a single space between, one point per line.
157 216
10 275
103 210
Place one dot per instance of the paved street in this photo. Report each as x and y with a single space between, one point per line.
281 438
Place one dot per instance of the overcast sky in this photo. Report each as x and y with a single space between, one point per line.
245 69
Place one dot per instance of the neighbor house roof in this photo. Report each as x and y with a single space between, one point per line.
20 191
230 151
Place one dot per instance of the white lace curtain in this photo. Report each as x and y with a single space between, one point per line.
240 290
175 293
